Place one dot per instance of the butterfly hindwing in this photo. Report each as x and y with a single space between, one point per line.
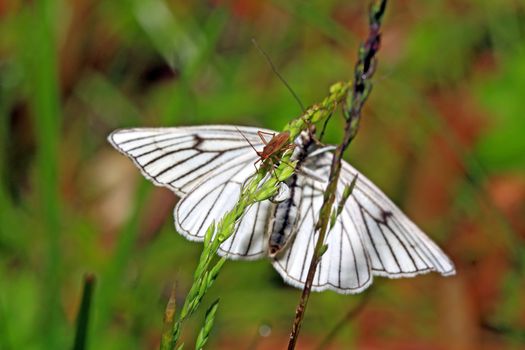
211 200
344 266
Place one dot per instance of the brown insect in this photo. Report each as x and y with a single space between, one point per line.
278 143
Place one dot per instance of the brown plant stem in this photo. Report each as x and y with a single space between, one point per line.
363 71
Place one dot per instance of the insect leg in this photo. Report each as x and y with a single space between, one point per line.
255 164
261 135
273 168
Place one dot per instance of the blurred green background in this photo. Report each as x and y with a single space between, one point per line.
443 134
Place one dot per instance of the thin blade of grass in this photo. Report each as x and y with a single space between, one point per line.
81 335
39 52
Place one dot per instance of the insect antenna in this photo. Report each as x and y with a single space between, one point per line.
240 132
311 130
268 59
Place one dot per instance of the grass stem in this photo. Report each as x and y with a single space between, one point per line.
361 87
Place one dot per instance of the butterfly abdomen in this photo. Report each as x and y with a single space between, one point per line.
285 219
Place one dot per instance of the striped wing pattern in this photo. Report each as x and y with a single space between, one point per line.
344 267
371 237
211 200
182 158
396 246
206 166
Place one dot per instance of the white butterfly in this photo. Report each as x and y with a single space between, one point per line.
207 165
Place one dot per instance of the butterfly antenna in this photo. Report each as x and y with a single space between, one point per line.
240 132
279 75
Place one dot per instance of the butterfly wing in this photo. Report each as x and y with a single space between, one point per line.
395 245
211 200
344 267
183 157
370 237
206 166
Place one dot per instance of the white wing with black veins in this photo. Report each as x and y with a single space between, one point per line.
206 166
371 237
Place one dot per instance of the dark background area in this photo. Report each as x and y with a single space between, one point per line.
443 134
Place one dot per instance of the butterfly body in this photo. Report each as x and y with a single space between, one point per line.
284 219
285 216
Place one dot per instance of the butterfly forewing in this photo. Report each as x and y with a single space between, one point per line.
181 158
396 246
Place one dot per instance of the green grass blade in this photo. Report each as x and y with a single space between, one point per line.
81 335
40 53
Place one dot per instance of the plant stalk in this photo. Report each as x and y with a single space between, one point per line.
361 87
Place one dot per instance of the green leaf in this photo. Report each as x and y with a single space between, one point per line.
204 333
214 272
